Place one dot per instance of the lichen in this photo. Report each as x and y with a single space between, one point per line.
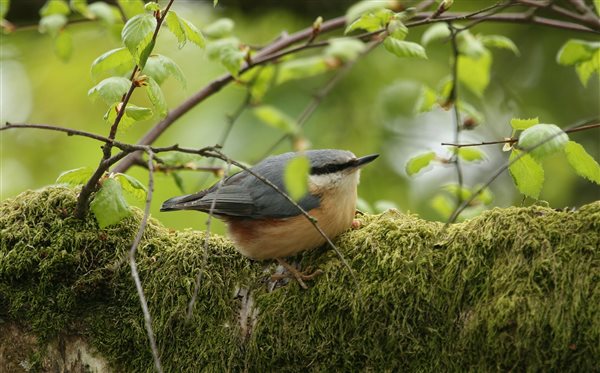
514 288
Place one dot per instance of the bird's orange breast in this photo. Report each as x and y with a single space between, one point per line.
279 238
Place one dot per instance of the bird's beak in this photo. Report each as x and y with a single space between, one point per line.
365 160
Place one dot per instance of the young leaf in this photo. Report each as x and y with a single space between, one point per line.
371 21
585 69
397 29
261 83
498 41
419 162
470 154
582 162
110 89
52 24
470 46
132 186
366 6
152 7
137 37
523 124
156 96
575 51
138 113
233 60
295 177
597 6
216 48
55 7
542 139
474 73
219 29
63 45
527 174
427 99
455 190
77 176
132 115
161 67
443 205
438 31
81 7
184 30
276 118
301 68
345 49
470 111
131 8
108 15
116 61
109 205
404 48
215 2
4 7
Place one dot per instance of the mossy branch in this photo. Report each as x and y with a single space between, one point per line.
514 288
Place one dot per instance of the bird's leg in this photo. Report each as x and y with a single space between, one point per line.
299 276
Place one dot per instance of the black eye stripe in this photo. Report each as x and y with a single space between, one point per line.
332 168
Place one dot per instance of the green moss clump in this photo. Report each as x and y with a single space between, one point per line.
513 288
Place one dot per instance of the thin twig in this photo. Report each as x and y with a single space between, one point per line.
512 140
205 248
133 264
454 99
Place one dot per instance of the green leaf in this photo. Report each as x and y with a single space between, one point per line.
372 21
137 37
427 99
419 162
63 45
184 30
115 62
523 124
345 49
542 139
152 7
498 41
109 205
55 7
81 7
52 24
527 174
438 31
470 154
131 185
233 60
470 46
474 73
301 68
443 205
156 96
404 48
131 8
597 6
107 14
216 47
295 177
160 67
585 69
366 6
575 51
4 7
583 163
132 115
220 28
454 190
111 89
470 111
397 29
261 83
276 119
215 2
77 176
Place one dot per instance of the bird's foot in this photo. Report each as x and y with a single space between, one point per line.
293 272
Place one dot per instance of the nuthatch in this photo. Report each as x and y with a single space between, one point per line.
264 224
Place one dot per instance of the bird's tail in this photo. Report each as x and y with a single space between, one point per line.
181 202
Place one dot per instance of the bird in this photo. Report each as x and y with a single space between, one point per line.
263 224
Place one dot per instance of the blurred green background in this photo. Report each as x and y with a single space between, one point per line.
364 112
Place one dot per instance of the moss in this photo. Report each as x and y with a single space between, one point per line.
513 288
